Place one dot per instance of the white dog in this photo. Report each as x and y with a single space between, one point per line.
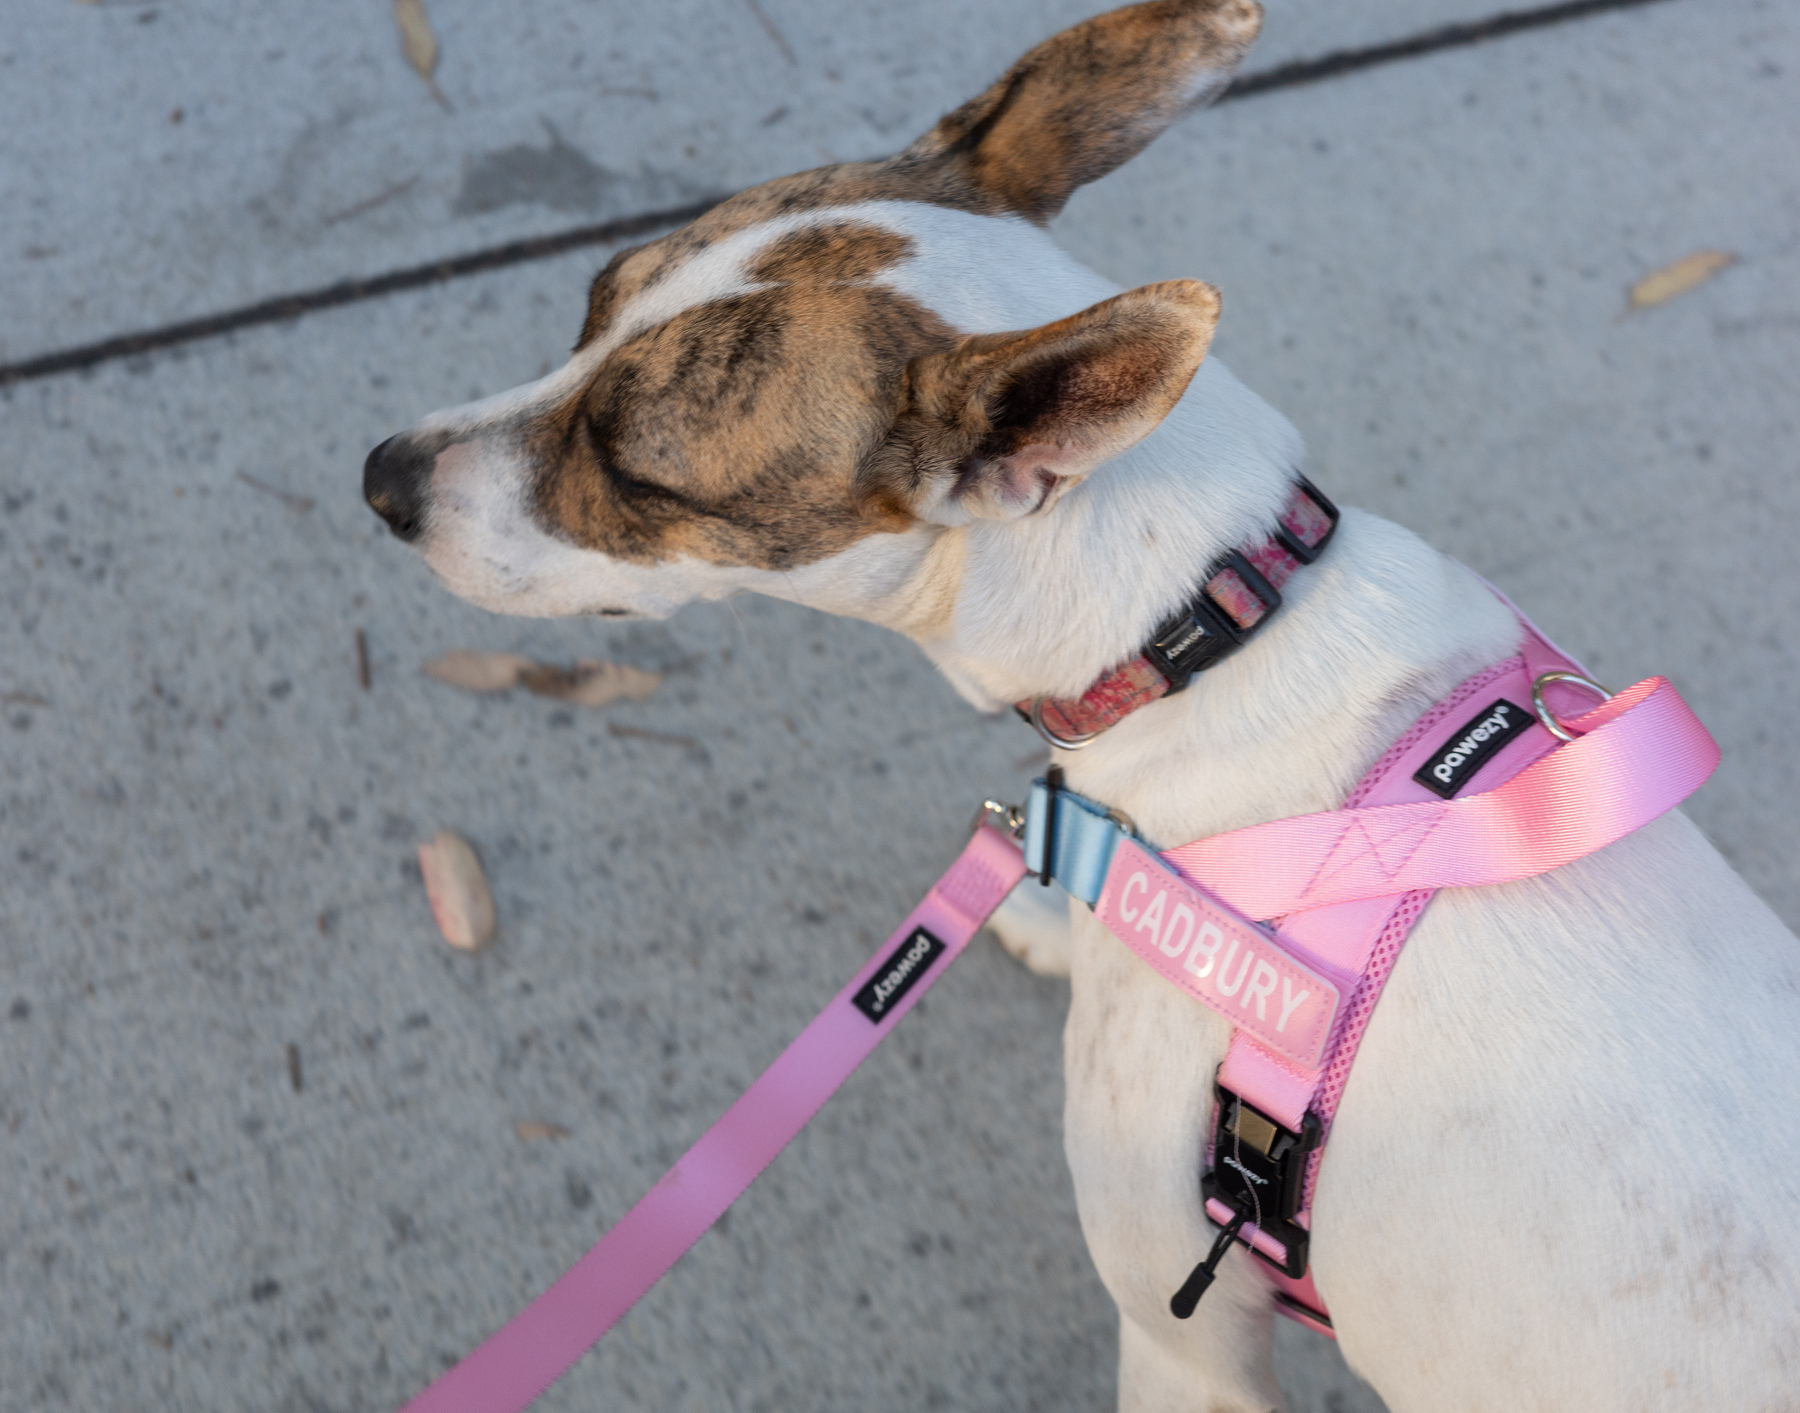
1565 1173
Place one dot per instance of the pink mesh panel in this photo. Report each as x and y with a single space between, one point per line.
1340 1051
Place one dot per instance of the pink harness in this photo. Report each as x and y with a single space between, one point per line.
1343 888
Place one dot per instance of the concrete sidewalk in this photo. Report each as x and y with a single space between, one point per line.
261 1147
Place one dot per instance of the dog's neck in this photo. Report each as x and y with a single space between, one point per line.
1365 640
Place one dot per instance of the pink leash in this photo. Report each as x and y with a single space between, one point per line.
544 1339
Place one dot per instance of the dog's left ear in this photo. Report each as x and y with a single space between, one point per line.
1000 425
1088 99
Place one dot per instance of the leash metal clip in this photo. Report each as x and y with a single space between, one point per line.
1009 819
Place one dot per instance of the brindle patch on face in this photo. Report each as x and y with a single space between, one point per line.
603 297
734 432
904 178
839 252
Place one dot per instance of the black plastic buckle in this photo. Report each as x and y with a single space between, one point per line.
1203 633
1284 537
1259 1172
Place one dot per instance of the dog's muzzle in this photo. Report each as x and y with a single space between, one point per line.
395 478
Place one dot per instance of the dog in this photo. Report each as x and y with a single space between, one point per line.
1563 1174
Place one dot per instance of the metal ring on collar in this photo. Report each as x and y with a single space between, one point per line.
1551 724
1061 743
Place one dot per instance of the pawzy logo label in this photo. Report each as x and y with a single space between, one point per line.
1472 747
898 974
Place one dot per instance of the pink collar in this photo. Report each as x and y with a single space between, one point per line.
1238 594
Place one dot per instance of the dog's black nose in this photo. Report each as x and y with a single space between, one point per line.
394 480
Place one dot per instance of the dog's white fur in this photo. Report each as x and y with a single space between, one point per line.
1565 1173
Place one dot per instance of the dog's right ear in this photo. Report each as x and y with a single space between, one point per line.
1090 98
1000 425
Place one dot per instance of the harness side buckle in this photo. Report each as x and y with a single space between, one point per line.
1259 1171
1259 1175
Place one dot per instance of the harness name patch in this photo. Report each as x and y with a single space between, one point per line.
1220 959
899 974
1473 745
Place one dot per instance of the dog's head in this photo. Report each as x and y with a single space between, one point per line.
802 390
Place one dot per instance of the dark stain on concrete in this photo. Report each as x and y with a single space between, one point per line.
559 176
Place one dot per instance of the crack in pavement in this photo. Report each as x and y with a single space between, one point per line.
284 308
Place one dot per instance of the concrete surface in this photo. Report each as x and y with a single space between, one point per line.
186 157
207 826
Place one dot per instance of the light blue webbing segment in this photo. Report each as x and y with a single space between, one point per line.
1082 840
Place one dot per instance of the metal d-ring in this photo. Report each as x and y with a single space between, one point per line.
1551 724
1061 743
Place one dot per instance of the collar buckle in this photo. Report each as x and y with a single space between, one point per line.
1292 543
1203 633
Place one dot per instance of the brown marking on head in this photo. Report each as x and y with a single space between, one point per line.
777 427
1078 105
732 431
839 252
1003 424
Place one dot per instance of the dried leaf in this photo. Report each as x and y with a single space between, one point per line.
458 889
662 738
1679 278
480 672
419 44
300 505
531 1130
592 683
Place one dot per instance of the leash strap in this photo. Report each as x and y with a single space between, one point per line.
542 1341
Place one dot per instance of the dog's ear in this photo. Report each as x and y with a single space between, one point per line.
1000 425
1089 99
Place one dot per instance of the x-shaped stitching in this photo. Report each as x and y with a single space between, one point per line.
1362 842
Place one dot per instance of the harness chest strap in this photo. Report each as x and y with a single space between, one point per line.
1347 886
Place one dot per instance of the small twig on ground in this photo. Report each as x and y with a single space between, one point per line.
23 699
298 504
369 204
775 34
639 733
295 1077
362 659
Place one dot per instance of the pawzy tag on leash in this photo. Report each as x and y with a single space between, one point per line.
514 1366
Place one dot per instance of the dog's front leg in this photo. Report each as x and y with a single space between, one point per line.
1139 1059
1032 925
1155 1378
